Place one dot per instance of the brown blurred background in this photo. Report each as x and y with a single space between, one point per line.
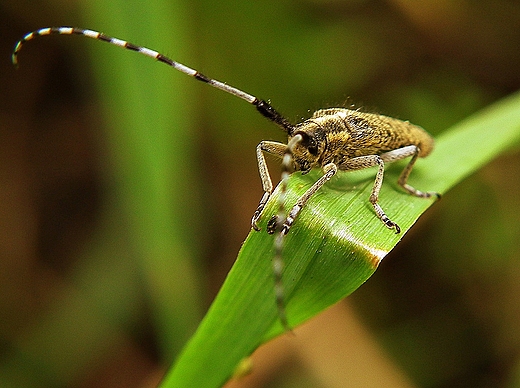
126 188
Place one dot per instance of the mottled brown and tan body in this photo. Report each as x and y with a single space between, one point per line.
342 134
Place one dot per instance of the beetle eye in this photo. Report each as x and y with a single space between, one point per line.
309 142
311 145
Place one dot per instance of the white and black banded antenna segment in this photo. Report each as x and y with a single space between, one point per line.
261 105
279 223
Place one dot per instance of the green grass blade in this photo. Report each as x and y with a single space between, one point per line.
333 248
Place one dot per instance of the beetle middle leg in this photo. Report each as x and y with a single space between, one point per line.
362 162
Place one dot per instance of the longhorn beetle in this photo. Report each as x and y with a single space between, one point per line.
333 139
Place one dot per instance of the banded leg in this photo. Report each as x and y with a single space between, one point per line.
273 148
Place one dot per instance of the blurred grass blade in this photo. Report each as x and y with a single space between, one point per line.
333 248
150 135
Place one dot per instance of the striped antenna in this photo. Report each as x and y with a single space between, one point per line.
280 223
262 106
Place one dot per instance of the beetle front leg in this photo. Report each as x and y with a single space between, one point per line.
329 171
273 148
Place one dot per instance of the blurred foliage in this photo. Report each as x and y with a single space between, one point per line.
123 189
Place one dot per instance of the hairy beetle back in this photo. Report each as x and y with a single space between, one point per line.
352 133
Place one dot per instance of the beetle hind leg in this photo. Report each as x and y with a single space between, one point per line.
403 179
